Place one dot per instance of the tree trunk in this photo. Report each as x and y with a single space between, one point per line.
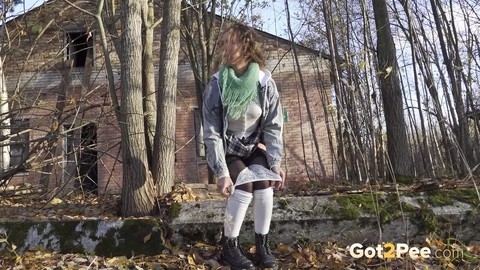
106 54
138 190
307 103
4 121
149 78
412 38
451 59
397 141
164 161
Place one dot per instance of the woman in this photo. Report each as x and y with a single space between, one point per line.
242 109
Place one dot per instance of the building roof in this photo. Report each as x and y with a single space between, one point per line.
259 31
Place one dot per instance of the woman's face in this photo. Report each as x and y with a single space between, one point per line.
230 48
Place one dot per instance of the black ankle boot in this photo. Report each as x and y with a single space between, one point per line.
233 256
264 254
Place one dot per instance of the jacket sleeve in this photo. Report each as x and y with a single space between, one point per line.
272 132
213 130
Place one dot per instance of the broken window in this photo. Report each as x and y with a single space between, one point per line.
80 156
79 47
200 146
19 143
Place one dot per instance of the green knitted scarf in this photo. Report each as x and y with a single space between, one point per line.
237 92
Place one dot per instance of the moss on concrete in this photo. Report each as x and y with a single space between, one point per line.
91 226
133 235
207 232
346 211
388 208
71 246
14 236
447 197
174 210
427 220
354 206
66 234
469 196
18 235
391 208
146 236
439 198
283 203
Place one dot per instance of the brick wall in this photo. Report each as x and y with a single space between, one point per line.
35 74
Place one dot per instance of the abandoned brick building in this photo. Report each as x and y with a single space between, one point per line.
44 38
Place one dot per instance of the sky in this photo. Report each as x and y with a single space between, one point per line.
27 5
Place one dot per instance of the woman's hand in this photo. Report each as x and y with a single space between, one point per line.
278 170
224 185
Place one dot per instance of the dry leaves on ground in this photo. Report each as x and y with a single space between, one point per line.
200 255
203 256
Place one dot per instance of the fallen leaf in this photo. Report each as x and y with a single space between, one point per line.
190 259
56 201
147 238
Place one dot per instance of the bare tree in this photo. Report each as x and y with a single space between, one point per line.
138 185
164 159
451 58
200 29
433 81
312 127
397 141
5 120
5 7
149 104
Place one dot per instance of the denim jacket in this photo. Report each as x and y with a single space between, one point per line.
215 123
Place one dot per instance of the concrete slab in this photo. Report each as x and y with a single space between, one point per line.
295 220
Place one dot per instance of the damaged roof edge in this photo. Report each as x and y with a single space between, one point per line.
260 31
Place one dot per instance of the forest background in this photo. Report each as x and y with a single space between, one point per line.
405 85
406 98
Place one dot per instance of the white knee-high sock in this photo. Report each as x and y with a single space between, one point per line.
262 209
237 206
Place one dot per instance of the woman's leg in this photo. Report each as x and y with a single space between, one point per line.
262 196
237 205
262 207
262 214
239 201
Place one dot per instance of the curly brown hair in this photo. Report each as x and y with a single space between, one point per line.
250 44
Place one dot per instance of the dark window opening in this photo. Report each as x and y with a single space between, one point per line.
19 143
200 146
80 46
88 159
81 158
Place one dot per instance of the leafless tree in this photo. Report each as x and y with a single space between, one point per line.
432 84
397 142
164 143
